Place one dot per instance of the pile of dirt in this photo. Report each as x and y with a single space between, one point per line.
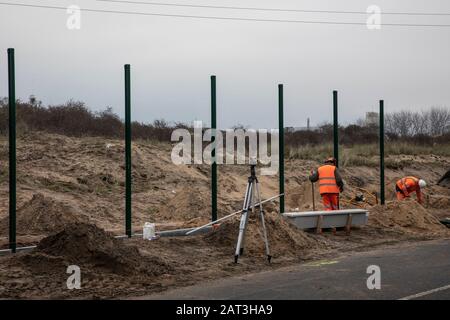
44 215
284 238
301 197
439 202
406 216
185 205
90 247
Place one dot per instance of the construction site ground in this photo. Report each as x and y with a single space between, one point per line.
408 271
71 204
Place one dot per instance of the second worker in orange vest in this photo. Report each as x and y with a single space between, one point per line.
330 183
407 185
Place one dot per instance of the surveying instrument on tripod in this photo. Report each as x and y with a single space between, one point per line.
252 200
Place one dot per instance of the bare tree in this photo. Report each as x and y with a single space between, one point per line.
419 123
439 119
401 123
434 122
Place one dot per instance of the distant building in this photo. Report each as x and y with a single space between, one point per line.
295 129
307 128
372 118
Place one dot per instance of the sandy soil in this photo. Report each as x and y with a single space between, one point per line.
71 203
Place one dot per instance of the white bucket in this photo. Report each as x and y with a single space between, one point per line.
149 232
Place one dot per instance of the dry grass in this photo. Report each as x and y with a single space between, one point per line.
309 152
366 155
399 148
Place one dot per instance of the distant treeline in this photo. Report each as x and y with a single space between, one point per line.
75 119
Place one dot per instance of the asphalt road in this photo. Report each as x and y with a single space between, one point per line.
411 271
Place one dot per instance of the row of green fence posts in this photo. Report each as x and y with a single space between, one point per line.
381 141
128 166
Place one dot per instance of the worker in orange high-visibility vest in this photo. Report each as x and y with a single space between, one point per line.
330 183
407 185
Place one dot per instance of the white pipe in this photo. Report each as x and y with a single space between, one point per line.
232 214
17 249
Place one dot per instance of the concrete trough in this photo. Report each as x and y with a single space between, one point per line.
328 219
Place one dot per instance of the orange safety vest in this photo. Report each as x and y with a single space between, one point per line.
408 184
327 180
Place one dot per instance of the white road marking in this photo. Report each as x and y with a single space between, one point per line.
425 293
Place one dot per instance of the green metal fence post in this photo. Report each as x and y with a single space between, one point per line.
213 151
335 127
128 228
281 145
12 151
382 182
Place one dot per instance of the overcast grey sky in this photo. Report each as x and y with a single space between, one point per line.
172 59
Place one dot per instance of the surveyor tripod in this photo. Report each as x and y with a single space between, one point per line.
250 204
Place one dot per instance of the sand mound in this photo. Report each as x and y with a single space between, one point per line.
44 215
439 202
284 238
406 216
90 247
185 205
